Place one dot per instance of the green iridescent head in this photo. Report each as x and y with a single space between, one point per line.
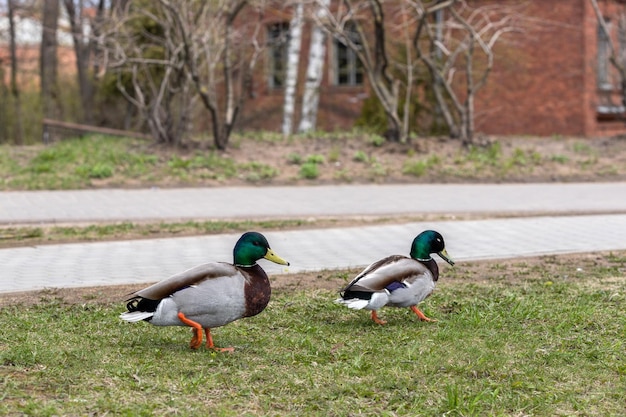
429 242
253 246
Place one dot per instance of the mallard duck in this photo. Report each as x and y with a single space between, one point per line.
397 280
209 295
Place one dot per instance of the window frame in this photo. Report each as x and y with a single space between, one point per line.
603 78
353 69
277 44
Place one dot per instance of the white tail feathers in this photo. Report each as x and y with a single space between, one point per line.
135 316
353 303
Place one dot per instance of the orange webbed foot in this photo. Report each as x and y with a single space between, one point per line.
210 345
196 340
376 319
421 315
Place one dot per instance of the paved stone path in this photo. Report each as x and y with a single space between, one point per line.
599 224
255 202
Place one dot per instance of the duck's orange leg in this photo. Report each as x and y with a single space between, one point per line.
420 314
196 340
376 319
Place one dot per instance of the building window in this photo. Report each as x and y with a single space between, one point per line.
277 40
604 55
348 69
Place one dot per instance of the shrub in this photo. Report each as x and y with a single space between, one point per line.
334 154
309 171
256 171
420 167
315 159
101 171
415 168
360 156
294 158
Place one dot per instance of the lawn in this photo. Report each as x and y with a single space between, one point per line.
97 161
543 337
540 337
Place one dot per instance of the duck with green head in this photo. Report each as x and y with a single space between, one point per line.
209 295
397 280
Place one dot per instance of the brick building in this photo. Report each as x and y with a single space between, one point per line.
554 79
558 80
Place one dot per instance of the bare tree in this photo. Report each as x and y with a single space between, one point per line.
218 55
361 27
144 50
15 91
467 49
183 46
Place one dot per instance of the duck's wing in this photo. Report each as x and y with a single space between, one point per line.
193 276
385 272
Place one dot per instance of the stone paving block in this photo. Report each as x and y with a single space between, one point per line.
144 261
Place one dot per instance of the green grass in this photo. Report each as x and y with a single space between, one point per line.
309 171
29 235
490 162
11 236
294 158
361 156
315 159
419 167
80 163
98 161
76 163
544 339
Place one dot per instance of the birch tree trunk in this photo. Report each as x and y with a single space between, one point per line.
293 61
315 65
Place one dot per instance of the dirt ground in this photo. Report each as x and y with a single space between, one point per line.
549 268
493 159
356 160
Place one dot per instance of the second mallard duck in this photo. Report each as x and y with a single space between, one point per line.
397 280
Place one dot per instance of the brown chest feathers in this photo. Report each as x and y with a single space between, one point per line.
431 264
257 290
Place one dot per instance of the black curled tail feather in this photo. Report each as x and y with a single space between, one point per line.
363 295
142 304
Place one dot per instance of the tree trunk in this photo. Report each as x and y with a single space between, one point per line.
15 92
4 98
388 87
315 65
95 47
49 81
442 104
232 105
468 109
82 52
293 61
